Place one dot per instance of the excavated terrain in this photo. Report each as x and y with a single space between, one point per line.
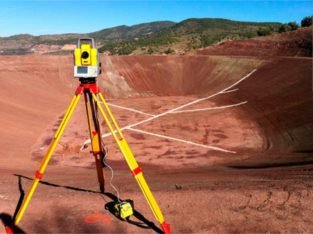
226 144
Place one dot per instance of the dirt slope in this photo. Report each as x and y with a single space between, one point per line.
34 91
296 43
281 103
39 89
181 75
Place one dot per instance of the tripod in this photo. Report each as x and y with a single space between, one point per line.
93 100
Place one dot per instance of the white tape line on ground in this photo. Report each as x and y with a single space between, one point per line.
185 105
230 91
181 140
129 109
177 108
210 108
239 81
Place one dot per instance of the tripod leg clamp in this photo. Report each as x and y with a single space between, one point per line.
136 171
38 175
166 228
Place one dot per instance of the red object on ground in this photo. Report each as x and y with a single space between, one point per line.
97 217
9 230
166 228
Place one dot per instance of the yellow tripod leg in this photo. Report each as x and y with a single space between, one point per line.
47 157
66 114
131 161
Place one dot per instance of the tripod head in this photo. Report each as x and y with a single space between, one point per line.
87 80
87 64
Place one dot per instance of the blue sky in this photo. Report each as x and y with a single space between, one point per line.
50 17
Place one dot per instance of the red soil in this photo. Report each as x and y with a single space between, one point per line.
266 186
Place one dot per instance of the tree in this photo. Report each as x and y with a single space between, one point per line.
284 28
126 49
264 31
169 51
205 41
293 25
150 50
306 21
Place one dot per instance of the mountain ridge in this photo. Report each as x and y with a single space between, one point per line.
146 38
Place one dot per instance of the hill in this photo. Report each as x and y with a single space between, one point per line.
27 44
294 43
148 38
188 35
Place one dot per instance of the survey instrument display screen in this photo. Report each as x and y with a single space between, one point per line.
82 70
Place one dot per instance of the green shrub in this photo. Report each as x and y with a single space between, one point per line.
150 50
293 25
264 31
169 51
284 28
126 49
306 21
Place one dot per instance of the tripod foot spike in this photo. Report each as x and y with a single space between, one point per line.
9 230
166 228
